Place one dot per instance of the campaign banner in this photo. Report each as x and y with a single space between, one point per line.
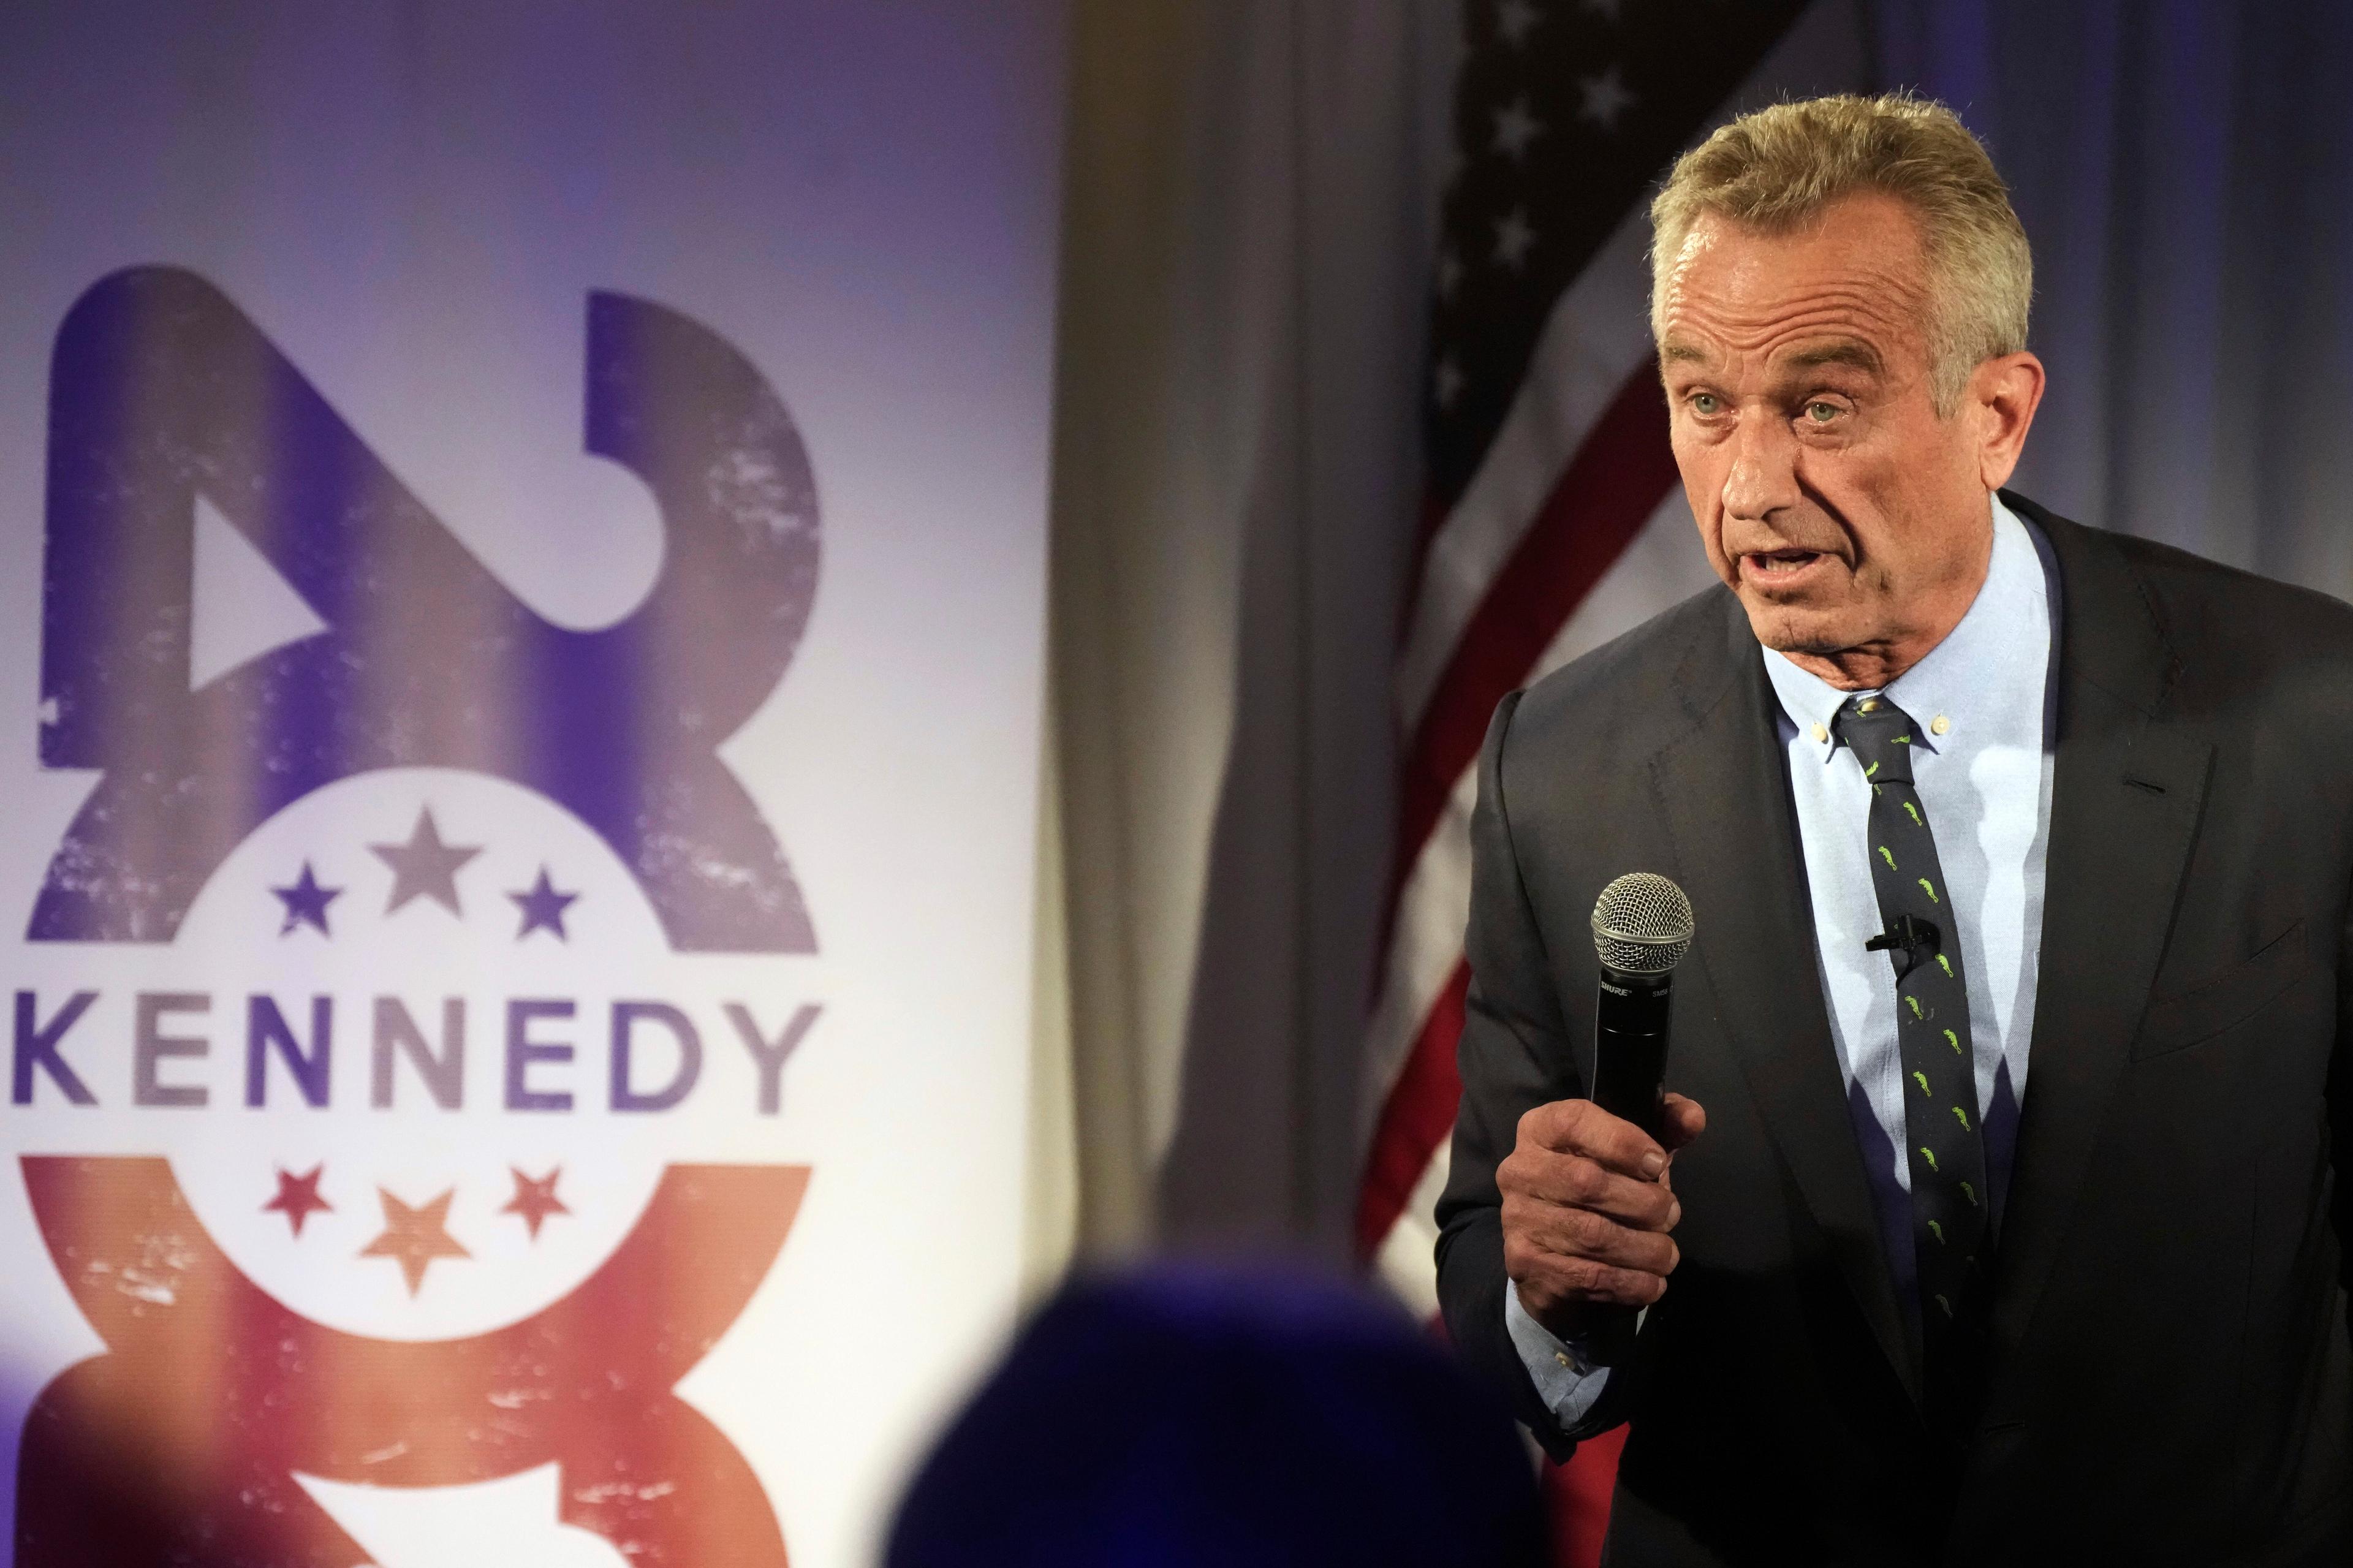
521 584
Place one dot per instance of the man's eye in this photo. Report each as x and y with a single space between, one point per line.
1821 413
1704 403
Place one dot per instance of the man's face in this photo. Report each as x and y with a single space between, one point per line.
1849 518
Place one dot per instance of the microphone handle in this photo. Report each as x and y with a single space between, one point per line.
1630 1047
1631 1017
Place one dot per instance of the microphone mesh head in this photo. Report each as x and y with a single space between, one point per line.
1642 924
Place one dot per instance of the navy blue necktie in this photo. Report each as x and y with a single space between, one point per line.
1950 1224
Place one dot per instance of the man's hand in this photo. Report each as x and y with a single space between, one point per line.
1586 1208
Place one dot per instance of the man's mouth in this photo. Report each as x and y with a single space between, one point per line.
1779 565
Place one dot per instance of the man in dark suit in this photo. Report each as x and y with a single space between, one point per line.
2011 1236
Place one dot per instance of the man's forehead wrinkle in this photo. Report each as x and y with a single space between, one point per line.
1767 276
1816 333
1873 290
1854 351
1860 307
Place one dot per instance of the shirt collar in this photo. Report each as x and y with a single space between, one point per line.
1984 680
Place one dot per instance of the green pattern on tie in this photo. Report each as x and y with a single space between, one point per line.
1946 1155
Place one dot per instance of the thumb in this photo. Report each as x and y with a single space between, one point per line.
1686 1120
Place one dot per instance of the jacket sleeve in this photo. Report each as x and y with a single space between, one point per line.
1518 1052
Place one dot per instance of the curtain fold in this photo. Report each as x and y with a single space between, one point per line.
1251 192
2185 173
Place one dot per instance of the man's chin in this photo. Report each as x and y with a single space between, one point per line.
1797 628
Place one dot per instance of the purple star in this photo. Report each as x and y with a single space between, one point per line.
543 908
306 902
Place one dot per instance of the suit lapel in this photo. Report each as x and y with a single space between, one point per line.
1723 788
2127 792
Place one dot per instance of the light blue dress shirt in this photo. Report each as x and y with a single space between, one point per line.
1982 710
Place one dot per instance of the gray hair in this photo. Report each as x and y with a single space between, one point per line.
1778 168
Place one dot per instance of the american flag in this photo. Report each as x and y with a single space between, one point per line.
1552 518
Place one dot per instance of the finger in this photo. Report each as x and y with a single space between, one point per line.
1572 1181
1581 1127
1686 1119
1579 1233
1551 1278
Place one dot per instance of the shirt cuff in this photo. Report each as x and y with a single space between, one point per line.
1568 1385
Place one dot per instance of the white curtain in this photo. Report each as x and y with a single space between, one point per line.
1251 194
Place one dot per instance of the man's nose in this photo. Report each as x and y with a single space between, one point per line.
1763 478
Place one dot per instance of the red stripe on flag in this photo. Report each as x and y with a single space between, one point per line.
1414 1119
1624 467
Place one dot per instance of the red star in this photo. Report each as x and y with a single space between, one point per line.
414 1236
535 1200
298 1197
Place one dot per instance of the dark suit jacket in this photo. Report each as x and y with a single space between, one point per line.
2171 1379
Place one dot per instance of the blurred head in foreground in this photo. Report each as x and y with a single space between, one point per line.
1194 1415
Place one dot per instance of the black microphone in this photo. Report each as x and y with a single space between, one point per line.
1642 926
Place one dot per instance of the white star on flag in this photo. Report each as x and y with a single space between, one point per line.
1603 98
1513 238
1515 19
1516 127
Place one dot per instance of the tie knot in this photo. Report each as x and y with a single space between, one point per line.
1881 734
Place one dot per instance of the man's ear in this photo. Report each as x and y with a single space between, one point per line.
2002 395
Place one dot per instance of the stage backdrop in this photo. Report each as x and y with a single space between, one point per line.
522 559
